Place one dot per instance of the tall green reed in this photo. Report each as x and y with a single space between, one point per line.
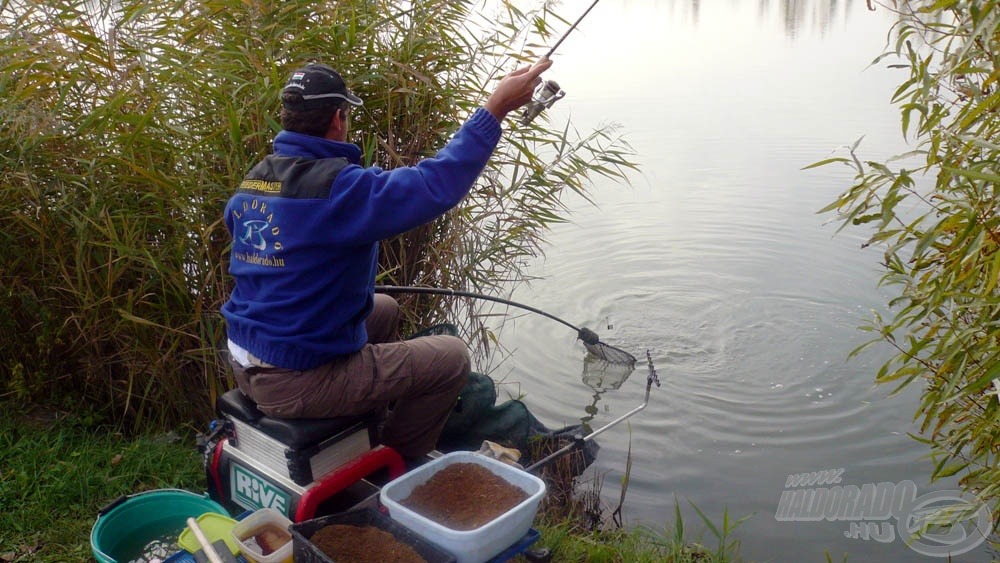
126 125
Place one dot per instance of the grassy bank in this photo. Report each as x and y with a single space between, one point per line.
57 469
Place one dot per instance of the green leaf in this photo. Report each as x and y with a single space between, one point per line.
678 523
973 174
947 471
825 162
708 522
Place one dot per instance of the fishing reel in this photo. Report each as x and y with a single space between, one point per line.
546 94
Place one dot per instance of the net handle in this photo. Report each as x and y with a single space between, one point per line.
588 336
458 293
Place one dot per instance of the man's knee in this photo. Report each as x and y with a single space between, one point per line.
383 321
386 303
457 357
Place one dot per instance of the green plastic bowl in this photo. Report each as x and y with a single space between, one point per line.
126 526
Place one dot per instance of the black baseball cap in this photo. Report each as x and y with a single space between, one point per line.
319 86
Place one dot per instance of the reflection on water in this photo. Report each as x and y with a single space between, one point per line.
601 377
716 261
797 16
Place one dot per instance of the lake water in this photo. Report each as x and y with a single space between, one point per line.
717 263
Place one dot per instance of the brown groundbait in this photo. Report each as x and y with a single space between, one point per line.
363 544
464 496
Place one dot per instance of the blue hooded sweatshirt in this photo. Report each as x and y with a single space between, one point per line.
306 223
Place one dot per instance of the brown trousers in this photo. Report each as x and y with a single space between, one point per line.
423 376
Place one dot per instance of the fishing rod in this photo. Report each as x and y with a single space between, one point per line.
548 92
591 341
571 28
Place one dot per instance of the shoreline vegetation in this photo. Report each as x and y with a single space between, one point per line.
933 212
60 468
127 124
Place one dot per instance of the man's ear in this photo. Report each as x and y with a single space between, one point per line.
337 130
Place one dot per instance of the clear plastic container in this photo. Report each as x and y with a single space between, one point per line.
468 546
265 527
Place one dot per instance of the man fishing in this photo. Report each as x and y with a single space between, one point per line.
308 338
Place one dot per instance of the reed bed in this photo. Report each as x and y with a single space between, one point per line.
126 125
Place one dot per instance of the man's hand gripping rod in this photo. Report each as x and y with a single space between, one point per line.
548 92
